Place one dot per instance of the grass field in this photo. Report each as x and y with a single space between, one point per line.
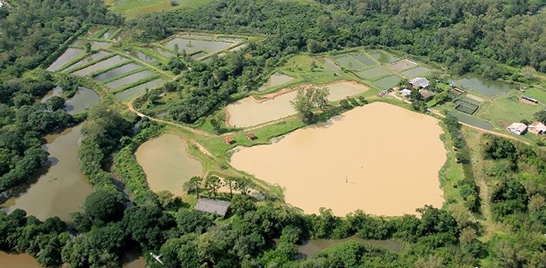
132 8
505 110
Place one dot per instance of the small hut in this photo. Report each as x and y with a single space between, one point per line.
218 207
251 136
229 140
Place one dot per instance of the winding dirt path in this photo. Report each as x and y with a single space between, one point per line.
193 130
508 136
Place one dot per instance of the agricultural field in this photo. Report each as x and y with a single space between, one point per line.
132 8
129 71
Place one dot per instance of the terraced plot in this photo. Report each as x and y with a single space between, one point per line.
363 59
93 57
192 46
349 62
198 55
276 79
402 65
163 52
419 71
141 56
129 79
373 73
383 57
133 92
388 82
100 65
66 57
117 71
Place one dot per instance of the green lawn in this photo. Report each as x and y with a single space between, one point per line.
132 8
505 110
536 93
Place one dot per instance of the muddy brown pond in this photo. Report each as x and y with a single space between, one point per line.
380 158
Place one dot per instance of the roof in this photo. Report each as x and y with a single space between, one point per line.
419 82
425 93
250 135
1 4
538 126
405 92
517 127
218 207
228 139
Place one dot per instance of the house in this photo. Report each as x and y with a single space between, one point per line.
517 128
537 128
419 82
405 92
425 94
218 207
229 140
251 136
1 4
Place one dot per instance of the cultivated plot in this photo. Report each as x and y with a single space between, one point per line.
193 46
373 73
348 62
402 65
87 60
133 92
129 79
276 79
415 72
100 65
388 82
66 57
383 57
142 56
117 72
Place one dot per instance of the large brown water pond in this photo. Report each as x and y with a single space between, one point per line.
248 112
167 163
380 158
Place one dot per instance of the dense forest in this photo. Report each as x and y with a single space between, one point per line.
465 35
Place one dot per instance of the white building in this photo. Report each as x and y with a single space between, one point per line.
419 82
517 128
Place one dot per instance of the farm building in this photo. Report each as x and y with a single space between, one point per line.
425 94
229 140
419 82
537 128
405 92
517 128
218 207
251 136
525 98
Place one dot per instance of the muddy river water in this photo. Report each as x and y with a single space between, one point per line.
380 158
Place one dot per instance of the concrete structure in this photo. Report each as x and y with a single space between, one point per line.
517 128
419 82
218 207
537 128
405 92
